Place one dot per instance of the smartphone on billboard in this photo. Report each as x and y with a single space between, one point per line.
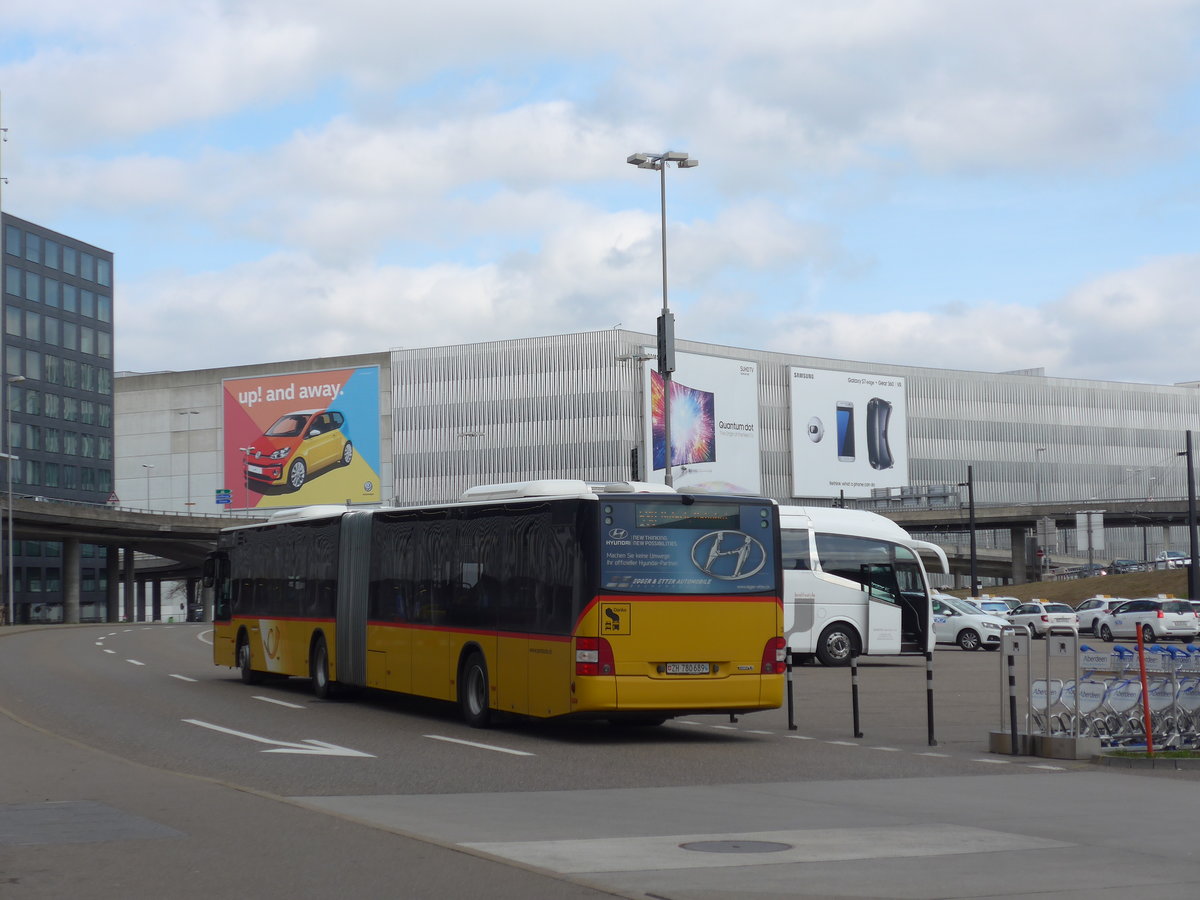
845 430
879 452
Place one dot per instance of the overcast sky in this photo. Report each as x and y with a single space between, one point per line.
961 185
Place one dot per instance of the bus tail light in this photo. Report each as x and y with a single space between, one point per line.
774 656
593 656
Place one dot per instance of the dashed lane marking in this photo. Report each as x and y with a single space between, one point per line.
450 740
278 702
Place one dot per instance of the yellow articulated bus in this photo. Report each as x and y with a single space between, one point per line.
624 601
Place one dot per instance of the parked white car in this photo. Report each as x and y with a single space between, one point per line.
1170 559
1157 618
1089 611
1010 602
1039 617
958 622
994 606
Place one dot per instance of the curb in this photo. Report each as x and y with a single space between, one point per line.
1133 762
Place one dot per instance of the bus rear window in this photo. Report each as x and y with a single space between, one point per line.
698 515
670 547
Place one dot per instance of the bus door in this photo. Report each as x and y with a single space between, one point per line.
878 581
217 585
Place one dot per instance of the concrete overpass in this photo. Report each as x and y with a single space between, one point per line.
181 541
1022 519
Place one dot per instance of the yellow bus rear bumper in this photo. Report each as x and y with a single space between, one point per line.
624 693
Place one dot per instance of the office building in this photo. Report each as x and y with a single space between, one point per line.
58 367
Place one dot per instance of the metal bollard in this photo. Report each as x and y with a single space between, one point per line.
1012 701
854 691
791 701
929 695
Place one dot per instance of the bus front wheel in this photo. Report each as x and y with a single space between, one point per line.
249 676
838 642
318 667
473 691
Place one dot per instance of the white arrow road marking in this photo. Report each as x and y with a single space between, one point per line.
308 746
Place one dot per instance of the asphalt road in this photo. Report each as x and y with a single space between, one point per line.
199 785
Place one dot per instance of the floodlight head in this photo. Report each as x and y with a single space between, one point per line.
650 164
675 156
688 163
636 159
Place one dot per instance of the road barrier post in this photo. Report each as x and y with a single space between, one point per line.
854 691
791 700
1012 697
929 695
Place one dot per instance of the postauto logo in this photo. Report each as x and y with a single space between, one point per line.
728 555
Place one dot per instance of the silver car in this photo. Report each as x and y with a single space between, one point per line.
958 622
1089 611
1039 617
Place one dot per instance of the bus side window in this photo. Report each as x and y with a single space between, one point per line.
795 549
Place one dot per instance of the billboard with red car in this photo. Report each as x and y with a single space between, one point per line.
303 439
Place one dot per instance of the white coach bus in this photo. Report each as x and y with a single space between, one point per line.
853 582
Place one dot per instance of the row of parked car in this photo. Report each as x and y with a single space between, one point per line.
978 622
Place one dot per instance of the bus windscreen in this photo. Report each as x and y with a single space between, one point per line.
698 548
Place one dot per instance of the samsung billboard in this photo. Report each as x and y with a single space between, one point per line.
714 425
849 432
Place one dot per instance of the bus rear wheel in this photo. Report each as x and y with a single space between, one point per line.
473 691
318 668
249 676
837 644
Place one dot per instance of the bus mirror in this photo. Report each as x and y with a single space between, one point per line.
210 577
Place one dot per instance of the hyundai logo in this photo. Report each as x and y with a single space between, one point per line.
728 555
618 534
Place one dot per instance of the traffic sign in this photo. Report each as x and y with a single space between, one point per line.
224 495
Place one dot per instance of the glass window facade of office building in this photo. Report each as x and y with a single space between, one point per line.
58 366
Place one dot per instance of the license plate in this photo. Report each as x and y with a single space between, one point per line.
1181 624
687 668
254 470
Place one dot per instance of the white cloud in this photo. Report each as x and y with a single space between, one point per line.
451 172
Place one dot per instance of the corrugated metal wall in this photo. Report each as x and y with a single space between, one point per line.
570 406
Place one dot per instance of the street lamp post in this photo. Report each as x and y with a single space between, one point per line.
1193 574
666 321
13 379
188 413
969 484
147 467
